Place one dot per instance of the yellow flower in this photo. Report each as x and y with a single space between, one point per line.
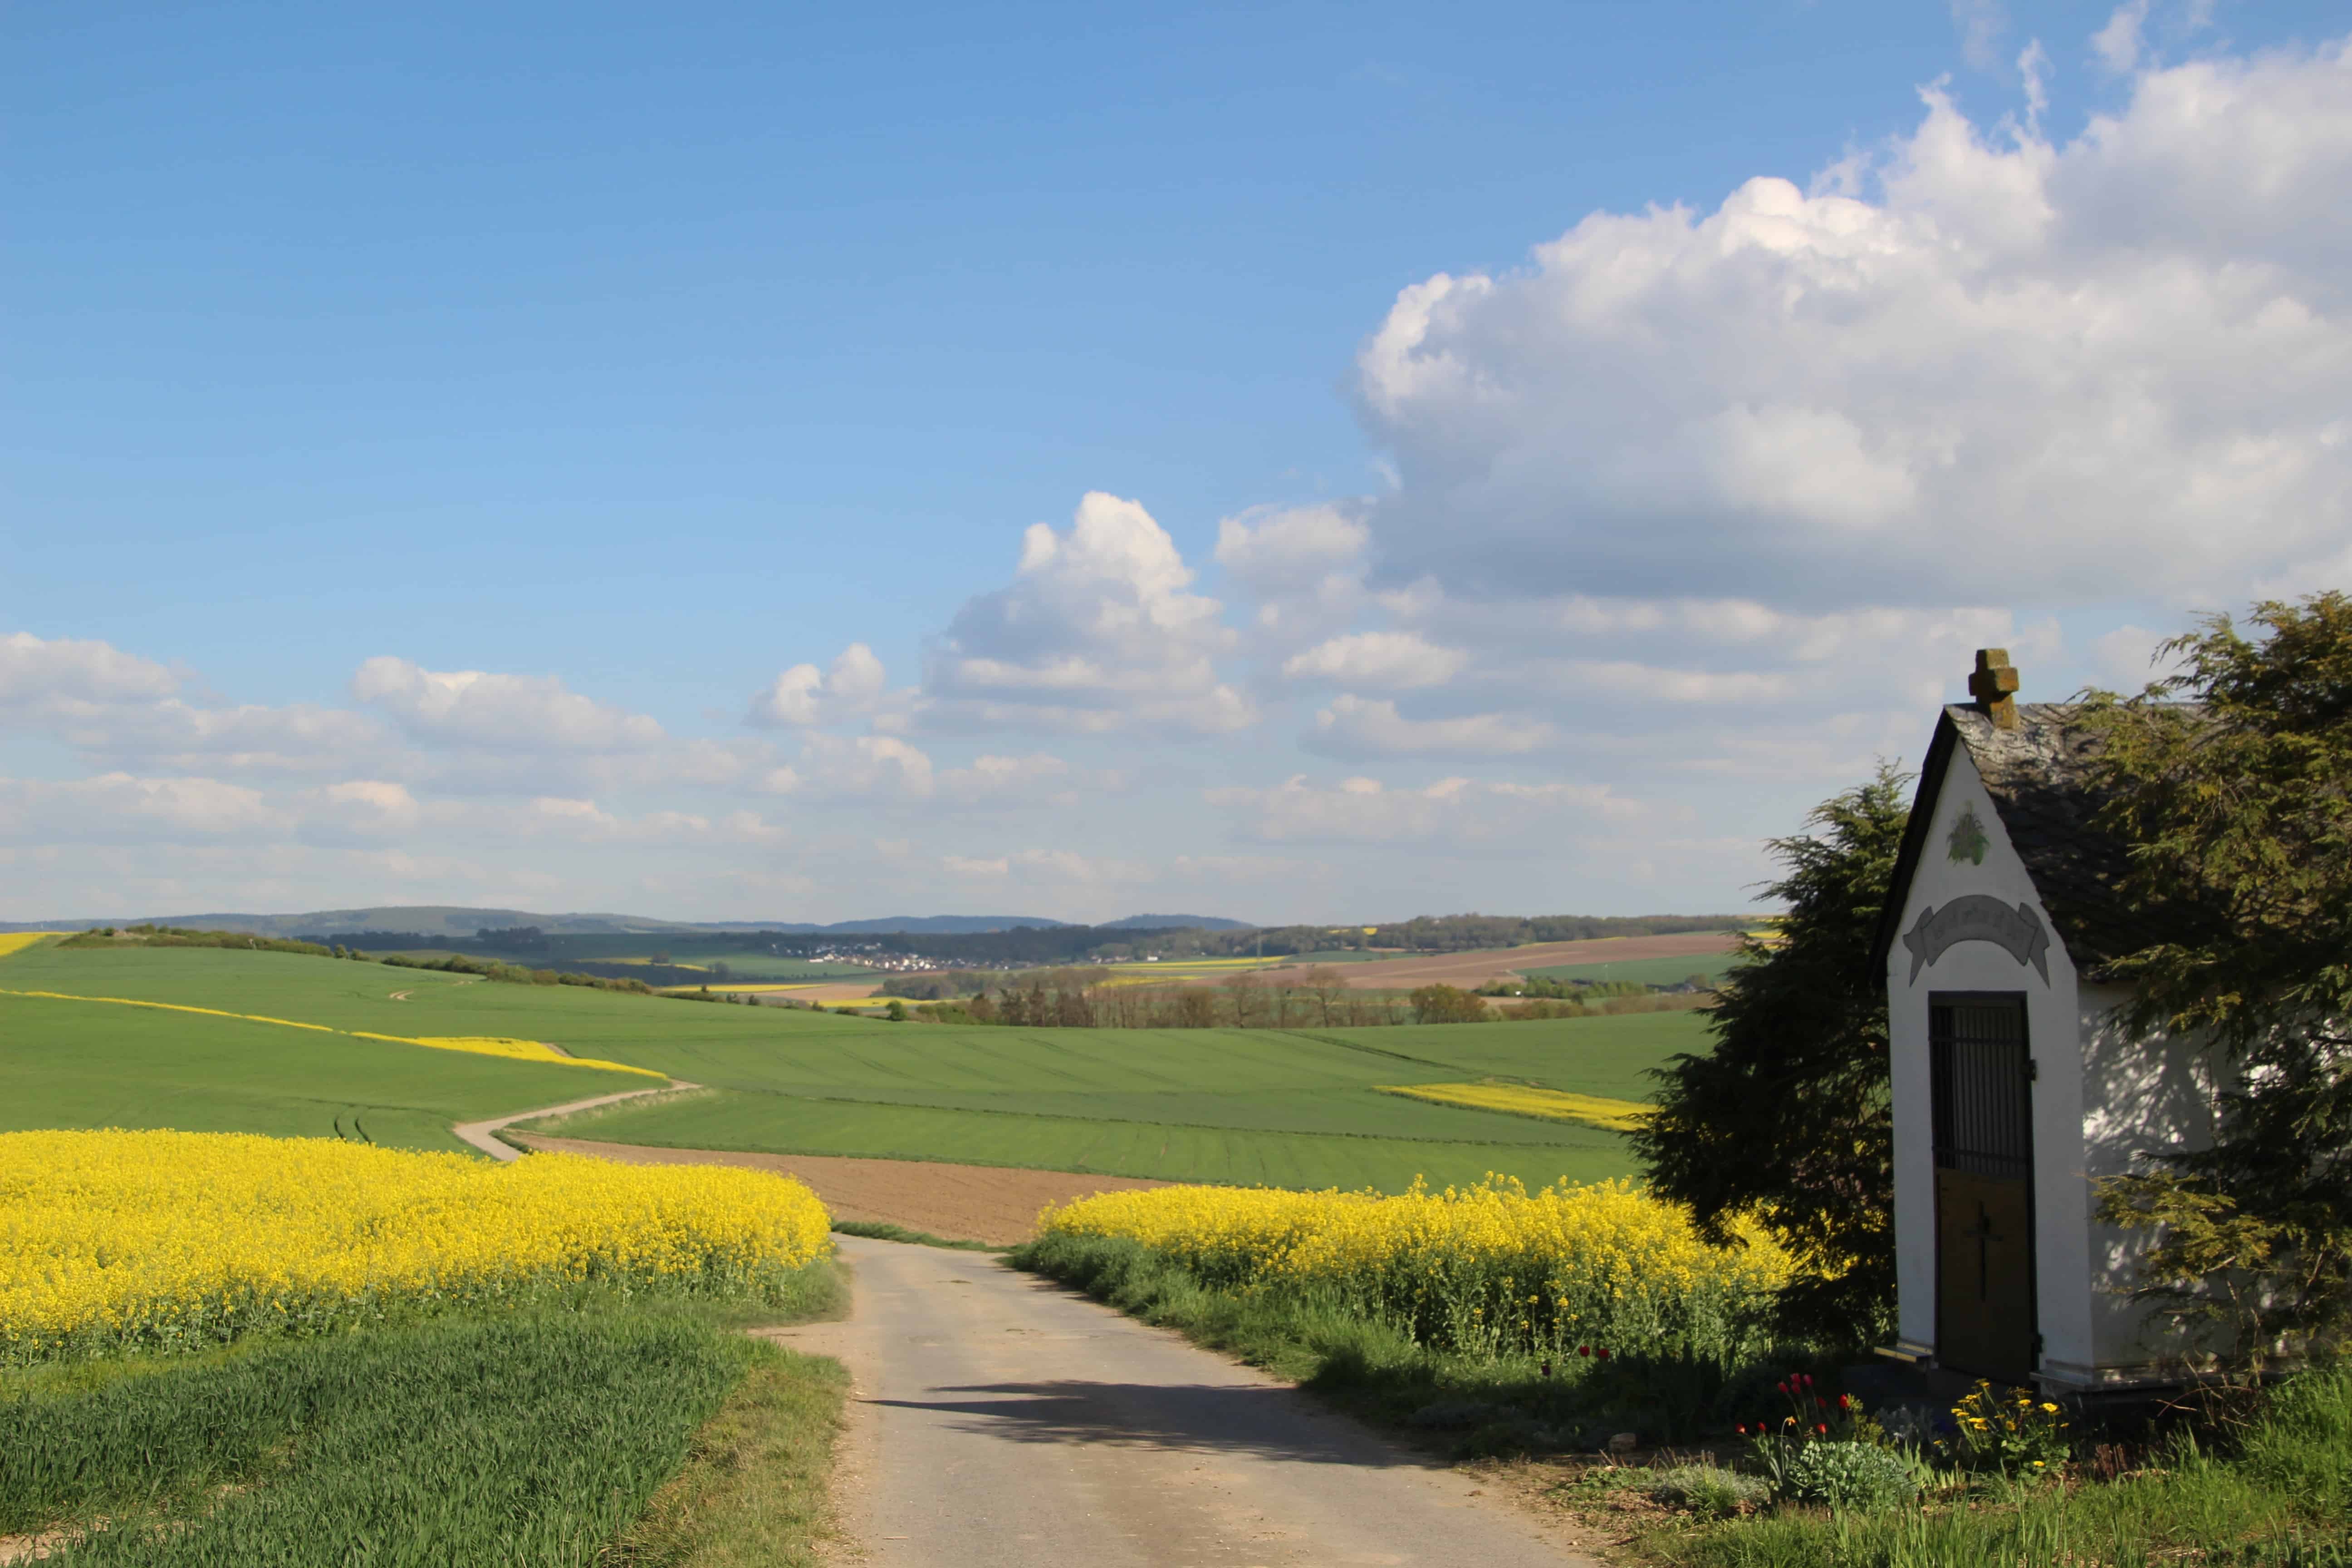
1619 1268
177 1239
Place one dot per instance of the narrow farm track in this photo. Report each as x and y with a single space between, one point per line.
999 1419
481 1134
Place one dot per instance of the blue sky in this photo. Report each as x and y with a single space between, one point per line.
613 363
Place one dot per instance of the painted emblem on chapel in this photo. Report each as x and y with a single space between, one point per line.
1969 841
1978 917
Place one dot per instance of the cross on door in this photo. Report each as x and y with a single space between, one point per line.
1993 685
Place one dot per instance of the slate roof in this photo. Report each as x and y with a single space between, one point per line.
2038 778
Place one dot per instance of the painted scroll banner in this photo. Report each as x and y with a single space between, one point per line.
1980 917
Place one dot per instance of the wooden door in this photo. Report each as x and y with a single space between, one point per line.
1985 1306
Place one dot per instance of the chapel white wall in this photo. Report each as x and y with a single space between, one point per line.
2141 1096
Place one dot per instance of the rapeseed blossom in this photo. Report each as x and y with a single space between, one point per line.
1519 1099
173 1240
1489 1269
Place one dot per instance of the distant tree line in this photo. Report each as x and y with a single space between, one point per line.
516 974
1320 998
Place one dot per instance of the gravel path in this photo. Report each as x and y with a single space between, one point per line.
479 1133
998 1419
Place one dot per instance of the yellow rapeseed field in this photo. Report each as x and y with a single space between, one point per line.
173 1240
1490 1268
1516 1100
18 940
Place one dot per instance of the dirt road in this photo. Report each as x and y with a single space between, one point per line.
995 1203
480 1133
997 1419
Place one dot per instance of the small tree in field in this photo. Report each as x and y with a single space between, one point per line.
1447 1004
1789 1119
1326 985
2232 783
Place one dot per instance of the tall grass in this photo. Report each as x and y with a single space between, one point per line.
529 1439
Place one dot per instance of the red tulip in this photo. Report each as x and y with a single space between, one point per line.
1782 1387
1824 1431
1742 1431
1584 1350
1601 1353
1846 1402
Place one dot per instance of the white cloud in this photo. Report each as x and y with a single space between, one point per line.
1980 23
118 808
2015 369
1400 661
360 811
1096 632
804 695
1365 811
499 712
1045 868
1355 726
872 768
43 676
970 866
1277 549
1033 778
2116 45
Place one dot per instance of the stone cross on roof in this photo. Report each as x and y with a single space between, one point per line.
1994 686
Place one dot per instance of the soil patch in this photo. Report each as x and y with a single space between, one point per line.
961 1203
1469 970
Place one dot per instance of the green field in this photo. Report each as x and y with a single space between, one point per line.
1289 1107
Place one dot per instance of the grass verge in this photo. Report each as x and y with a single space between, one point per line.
752 1491
1477 1404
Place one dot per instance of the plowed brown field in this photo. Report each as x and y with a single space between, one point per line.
962 1203
1474 969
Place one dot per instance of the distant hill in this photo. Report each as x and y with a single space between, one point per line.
457 920
917 925
1173 922
431 920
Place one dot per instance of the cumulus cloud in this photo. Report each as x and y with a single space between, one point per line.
121 808
499 712
1033 778
872 768
1456 810
1974 368
1379 660
805 695
1099 630
41 676
1045 867
1356 726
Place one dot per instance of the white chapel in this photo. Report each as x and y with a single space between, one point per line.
2014 1090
